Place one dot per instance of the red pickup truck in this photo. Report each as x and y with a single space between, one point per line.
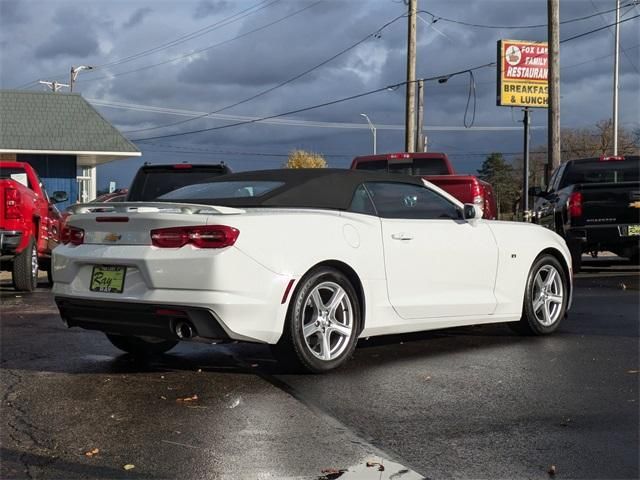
437 169
29 224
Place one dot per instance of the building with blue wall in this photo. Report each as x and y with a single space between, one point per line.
62 136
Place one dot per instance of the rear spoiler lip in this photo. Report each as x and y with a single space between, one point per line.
152 207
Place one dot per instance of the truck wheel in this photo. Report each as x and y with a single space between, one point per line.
25 268
576 257
141 346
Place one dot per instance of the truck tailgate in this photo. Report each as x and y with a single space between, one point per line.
609 203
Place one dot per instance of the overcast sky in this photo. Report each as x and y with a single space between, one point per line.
241 48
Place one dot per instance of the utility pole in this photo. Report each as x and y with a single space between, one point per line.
410 115
553 132
420 141
616 59
54 86
525 166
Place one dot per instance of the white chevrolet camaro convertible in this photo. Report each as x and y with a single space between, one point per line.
305 260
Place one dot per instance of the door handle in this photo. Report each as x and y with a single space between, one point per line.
401 236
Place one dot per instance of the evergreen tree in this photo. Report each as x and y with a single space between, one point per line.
500 174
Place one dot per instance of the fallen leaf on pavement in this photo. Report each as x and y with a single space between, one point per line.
192 398
332 473
552 470
92 452
129 466
376 464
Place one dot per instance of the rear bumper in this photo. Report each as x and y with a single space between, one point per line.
615 238
9 242
140 319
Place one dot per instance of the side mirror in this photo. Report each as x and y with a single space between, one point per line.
59 197
536 192
471 211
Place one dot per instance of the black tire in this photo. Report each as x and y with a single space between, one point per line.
140 346
531 323
25 271
576 257
293 350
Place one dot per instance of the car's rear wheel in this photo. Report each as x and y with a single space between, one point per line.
322 324
141 346
25 268
545 299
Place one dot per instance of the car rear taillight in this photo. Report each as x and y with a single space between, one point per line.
575 204
205 236
617 158
72 235
12 202
183 165
478 196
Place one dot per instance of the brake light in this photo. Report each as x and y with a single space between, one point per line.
205 236
604 158
398 155
183 165
575 204
72 235
476 192
12 203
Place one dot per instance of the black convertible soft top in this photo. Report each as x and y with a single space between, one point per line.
327 188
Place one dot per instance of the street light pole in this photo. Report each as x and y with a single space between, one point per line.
373 131
74 74
616 80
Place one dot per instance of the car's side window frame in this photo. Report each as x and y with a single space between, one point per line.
455 207
369 200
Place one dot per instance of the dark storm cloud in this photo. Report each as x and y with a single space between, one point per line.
13 11
137 17
75 36
206 8
244 67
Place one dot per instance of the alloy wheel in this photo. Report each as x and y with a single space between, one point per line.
548 295
328 321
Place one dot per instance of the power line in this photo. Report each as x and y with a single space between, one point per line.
312 107
437 18
624 51
197 52
290 121
375 33
189 36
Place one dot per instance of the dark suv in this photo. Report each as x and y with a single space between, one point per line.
151 181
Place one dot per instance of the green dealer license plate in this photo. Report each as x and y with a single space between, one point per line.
634 230
107 278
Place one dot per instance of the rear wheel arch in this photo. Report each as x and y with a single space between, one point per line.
354 278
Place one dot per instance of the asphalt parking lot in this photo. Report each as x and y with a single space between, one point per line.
478 402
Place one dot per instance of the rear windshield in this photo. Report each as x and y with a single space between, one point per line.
416 166
155 183
222 190
17 174
612 171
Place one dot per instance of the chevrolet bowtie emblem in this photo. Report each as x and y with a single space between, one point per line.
635 204
112 237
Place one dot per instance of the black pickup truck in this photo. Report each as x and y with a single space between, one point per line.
151 181
594 204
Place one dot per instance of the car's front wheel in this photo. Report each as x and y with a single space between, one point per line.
141 346
545 299
323 322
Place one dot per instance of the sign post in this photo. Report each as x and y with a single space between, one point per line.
523 68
